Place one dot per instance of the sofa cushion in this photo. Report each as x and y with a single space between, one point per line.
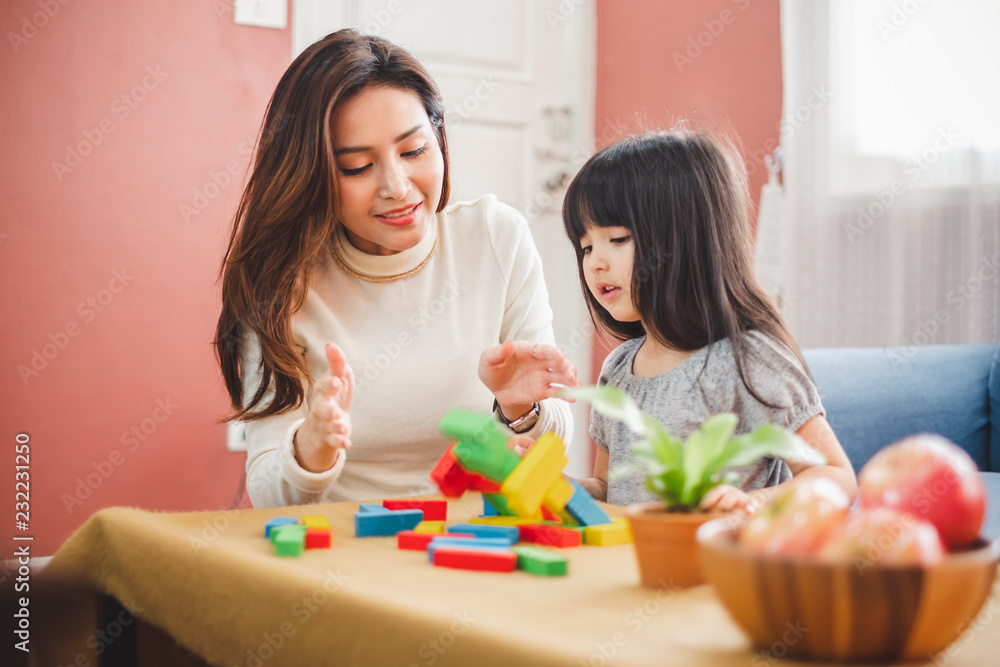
876 396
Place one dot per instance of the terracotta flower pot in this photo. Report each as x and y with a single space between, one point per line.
665 544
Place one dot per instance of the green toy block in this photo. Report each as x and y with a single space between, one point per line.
482 444
289 540
499 503
541 562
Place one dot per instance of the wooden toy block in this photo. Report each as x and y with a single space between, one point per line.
541 467
510 533
608 534
289 540
412 540
432 527
386 522
318 538
434 510
316 522
499 504
482 444
549 515
476 543
550 535
371 508
501 521
488 508
483 485
450 476
584 509
278 521
481 559
558 495
541 562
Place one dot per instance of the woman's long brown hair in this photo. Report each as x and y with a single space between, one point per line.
288 210
684 197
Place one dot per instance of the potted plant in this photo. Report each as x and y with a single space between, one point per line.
680 473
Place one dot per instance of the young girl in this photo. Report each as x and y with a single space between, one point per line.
664 246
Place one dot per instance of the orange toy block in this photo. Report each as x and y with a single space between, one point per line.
318 538
529 483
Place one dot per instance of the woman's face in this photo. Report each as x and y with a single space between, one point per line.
389 169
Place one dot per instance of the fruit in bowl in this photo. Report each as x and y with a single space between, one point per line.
885 583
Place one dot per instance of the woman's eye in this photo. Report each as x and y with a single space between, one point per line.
416 152
355 172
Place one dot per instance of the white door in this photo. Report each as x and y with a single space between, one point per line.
517 78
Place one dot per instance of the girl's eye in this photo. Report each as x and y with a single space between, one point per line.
415 153
586 249
621 239
355 172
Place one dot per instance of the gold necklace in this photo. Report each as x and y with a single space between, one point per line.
380 279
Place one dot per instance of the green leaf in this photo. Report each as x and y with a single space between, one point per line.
766 440
613 403
703 447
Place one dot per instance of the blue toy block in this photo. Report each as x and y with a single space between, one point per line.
510 533
487 543
277 521
584 508
372 523
488 510
368 508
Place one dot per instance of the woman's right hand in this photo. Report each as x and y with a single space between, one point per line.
327 428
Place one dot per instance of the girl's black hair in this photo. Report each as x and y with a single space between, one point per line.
684 197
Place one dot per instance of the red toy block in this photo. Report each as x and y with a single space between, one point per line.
450 476
318 538
550 535
548 515
414 541
434 510
468 559
483 485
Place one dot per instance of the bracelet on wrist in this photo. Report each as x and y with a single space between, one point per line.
522 424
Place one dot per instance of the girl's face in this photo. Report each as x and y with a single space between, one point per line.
607 266
389 170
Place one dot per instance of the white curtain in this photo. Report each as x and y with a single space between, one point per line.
890 227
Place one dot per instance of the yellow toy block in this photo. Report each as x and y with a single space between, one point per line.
528 484
320 522
608 534
429 527
558 495
504 520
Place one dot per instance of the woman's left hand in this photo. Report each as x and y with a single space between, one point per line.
519 374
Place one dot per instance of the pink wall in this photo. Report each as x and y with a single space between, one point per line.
715 60
103 270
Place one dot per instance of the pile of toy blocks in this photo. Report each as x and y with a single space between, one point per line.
525 500
290 536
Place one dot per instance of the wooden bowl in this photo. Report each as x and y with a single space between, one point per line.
808 608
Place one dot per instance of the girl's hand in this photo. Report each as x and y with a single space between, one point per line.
519 374
726 498
327 428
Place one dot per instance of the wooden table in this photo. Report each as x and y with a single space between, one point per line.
211 581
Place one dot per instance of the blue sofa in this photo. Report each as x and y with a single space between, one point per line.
876 396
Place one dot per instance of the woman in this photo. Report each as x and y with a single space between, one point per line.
355 303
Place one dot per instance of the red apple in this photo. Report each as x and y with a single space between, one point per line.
884 536
931 478
798 520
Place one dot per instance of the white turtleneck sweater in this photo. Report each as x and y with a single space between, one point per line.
414 345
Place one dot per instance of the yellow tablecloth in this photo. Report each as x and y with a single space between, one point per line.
211 580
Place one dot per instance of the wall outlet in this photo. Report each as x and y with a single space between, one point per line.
261 13
236 440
